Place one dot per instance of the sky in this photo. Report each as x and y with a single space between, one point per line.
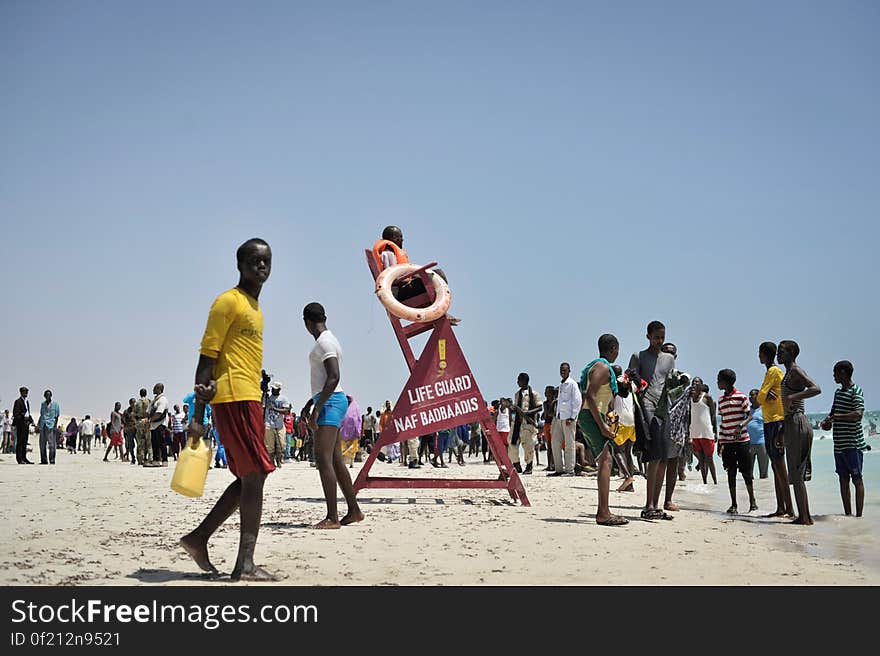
576 168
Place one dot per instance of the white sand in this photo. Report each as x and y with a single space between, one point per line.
85 521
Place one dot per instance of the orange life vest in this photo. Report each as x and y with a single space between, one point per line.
381 245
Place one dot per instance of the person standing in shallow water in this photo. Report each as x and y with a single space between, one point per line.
797 433
228 377
849 440
330 406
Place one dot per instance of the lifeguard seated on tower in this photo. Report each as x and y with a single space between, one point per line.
387 252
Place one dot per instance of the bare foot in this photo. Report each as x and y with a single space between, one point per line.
802 522
198 551
254 574
671 507
778 513
352 517
627 486
327 523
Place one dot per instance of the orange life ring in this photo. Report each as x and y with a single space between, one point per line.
443 297
381 245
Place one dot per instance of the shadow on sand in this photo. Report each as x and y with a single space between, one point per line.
285 525
422 501
167 576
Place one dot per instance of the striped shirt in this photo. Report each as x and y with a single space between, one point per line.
733 408
848 434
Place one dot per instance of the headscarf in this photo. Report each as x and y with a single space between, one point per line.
72 428
586 372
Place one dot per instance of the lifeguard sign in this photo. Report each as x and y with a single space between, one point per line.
441 393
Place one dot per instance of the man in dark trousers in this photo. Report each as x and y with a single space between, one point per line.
22 420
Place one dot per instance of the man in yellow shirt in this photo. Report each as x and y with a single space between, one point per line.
770 400
228 377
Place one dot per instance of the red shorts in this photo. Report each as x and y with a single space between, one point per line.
242 429
504 436
704 446
115 439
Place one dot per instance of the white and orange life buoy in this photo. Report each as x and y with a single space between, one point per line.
443 297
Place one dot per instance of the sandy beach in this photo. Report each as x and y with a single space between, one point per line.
84 521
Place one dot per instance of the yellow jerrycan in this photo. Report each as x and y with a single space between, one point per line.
192 469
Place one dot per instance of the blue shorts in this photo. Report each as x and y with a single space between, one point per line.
849 463
334 410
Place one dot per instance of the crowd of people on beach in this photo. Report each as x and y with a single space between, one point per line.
650 420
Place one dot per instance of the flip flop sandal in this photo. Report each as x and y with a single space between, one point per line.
614 520
656 514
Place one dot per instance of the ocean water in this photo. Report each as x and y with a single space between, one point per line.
854 541
825 486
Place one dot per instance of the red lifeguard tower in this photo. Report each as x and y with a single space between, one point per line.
441 393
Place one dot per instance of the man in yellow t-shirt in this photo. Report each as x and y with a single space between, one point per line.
770 400
228 377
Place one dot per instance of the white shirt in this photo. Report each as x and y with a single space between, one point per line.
7 424
502 423
389 259
625 409
160 405
370 422
326 347
568 405
87 427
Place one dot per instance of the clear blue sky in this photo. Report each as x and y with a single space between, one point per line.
576 168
